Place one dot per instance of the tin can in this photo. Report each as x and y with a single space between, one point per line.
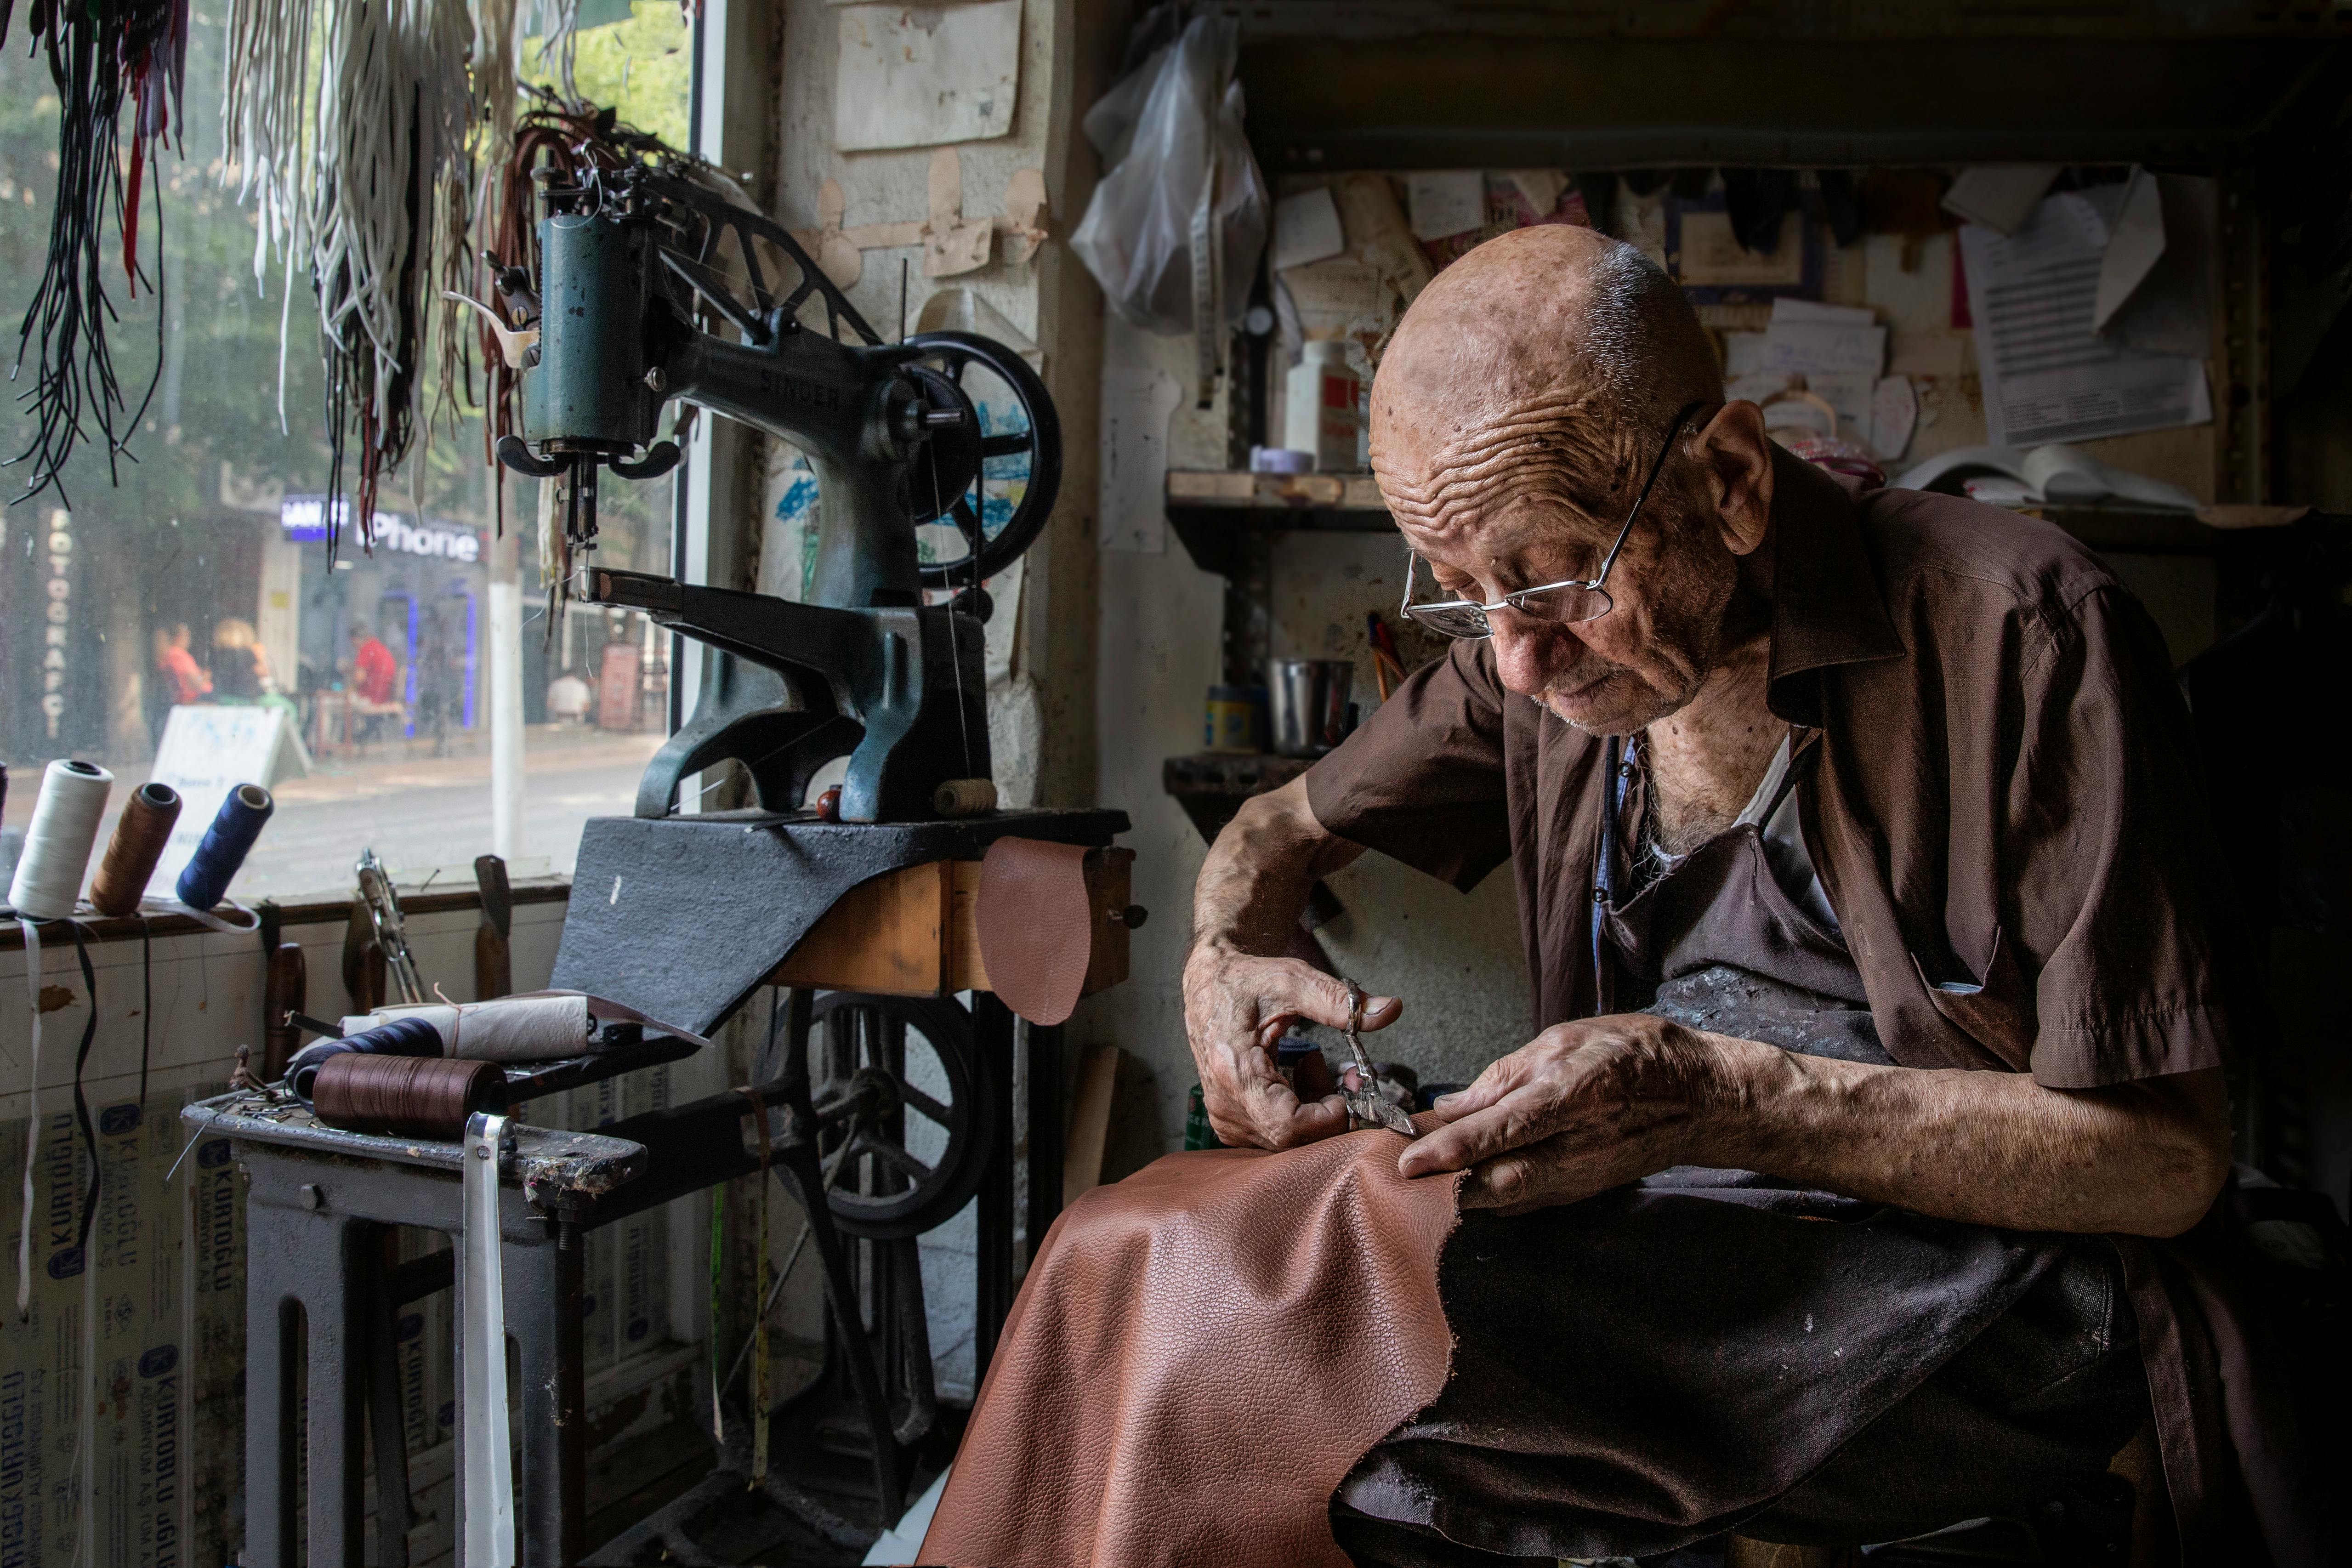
1235 720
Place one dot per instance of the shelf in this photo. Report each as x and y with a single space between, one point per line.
1212 786
1213 510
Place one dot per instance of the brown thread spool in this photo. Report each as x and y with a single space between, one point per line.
405 1097
138 843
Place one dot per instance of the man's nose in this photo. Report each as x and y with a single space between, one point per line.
1529 651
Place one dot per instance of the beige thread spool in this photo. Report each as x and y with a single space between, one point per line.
965 797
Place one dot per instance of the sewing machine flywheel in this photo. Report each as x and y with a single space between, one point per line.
906 1111
1014 457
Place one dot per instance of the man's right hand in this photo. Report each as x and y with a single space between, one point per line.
1237 1006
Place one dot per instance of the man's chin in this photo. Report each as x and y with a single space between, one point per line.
1614 704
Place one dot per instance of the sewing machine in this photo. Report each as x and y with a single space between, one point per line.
631 265
687 915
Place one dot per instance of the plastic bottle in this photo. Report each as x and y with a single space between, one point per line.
1319 410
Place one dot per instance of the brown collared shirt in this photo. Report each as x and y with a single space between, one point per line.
2008 817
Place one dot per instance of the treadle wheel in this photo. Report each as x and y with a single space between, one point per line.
1023 449
905 1112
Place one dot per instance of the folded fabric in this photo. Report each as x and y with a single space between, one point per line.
1198 1356
535 1026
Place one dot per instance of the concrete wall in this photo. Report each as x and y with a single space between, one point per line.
1043 709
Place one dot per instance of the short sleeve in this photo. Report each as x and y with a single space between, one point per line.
1421 779
2121 889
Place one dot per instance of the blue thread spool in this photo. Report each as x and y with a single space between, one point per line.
399 1038
224 845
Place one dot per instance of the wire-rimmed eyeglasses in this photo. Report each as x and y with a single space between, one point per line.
1569 601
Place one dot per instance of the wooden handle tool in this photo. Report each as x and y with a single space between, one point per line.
493 958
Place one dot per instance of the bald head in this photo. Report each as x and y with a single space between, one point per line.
1545 363
1523 399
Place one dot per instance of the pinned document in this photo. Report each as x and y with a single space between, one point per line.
2048 373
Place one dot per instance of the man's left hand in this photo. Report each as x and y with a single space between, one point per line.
1581 1108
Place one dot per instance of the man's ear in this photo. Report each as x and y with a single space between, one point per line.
1739 458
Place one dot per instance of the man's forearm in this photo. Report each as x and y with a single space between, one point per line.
1989 1148
1255 879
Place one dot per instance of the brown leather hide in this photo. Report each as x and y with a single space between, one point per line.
1036 924
1198 1356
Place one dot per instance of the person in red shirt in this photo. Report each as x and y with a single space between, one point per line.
184 679
374 672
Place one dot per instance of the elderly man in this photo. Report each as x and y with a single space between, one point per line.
1864 879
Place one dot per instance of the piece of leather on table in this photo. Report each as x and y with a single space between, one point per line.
1198 1357
1035 922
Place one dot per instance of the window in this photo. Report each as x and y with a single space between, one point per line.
198 591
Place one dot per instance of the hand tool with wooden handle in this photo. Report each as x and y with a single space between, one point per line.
493 958
285 991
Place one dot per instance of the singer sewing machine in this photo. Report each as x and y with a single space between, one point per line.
631 266
936 461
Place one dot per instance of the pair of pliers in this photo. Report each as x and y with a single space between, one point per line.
1366 1105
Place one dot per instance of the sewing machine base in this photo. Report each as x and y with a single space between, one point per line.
786 688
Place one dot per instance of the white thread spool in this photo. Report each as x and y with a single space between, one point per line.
58 843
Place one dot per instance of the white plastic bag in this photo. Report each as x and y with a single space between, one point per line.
1183 187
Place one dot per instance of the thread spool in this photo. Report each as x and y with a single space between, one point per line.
138 843
407 1097
510 1029
410 1037
59 838
965 797
224 845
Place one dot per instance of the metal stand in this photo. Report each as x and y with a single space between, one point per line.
318 1302
318 1298
994 1023
322 1295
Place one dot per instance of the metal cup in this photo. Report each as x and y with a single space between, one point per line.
1309 700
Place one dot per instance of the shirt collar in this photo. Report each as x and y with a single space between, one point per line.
1826 606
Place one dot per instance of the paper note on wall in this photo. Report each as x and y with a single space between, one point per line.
2048 375
1809 340
1137 402
916 75
1306 228
1446 202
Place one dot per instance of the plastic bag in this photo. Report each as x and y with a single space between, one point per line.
1182 184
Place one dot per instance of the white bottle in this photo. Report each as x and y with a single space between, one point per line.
1319 408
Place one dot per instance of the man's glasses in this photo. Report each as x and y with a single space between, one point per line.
1568 602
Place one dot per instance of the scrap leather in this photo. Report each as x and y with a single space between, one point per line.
1036 925
1199 1355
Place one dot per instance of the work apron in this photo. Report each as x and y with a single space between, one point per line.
1710 1350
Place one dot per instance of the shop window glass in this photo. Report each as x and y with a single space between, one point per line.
202 580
